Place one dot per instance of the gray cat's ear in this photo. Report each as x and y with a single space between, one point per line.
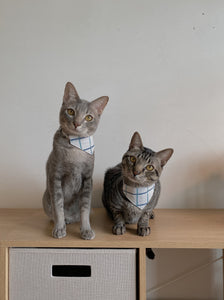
136 142
70 92
99 104
164 156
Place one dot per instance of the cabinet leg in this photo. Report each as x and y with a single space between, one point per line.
4 273
142 273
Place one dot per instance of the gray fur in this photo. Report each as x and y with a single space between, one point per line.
69 170
134 174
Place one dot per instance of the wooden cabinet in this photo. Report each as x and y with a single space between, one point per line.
30 228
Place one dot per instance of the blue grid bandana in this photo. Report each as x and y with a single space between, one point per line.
140 196
84 143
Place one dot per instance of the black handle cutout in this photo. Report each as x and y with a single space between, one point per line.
71 271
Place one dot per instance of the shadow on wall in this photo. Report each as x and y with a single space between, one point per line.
97 193
206 194
22 192
203 186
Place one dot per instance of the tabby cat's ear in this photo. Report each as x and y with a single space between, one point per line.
70 92
136 142
99 104
164 156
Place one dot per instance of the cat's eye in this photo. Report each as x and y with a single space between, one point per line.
70 112
132 159
88 118
149 168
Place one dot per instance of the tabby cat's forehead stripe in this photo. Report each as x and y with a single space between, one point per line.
145 155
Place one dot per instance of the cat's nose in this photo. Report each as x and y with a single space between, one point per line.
77 124
136 173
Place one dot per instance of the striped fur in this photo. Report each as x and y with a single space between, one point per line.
133 172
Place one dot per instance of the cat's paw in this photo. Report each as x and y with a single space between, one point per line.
87 234
143 230
58 232
119 229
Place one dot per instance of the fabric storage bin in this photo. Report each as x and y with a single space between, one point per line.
70 274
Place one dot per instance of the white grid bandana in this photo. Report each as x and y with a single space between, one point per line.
84 143
140 196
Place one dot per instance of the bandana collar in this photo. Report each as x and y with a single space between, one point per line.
84 143
140 196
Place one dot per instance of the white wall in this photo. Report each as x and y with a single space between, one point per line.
160 62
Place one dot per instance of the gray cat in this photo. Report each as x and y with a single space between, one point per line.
132 188
69 168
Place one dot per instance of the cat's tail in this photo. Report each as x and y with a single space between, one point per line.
106 195
149 253
110 186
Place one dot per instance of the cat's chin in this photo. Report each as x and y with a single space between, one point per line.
79 134
131 181
75 132
135 182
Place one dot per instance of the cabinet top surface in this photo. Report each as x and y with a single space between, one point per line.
171 228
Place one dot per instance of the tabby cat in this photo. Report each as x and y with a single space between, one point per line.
132 188
70 165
